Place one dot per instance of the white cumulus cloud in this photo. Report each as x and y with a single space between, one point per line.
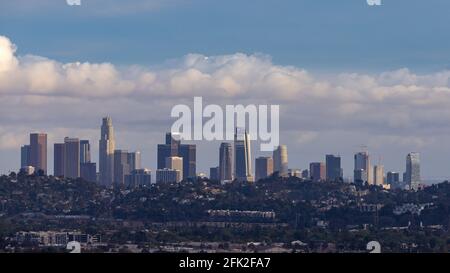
388 108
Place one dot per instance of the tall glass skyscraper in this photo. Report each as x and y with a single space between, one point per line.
413 171
333 167
85 151
106 152
242 156
362 165
226 162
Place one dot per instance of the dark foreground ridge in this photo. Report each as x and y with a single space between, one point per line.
42 214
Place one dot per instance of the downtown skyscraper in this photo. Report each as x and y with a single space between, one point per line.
317 171
263 167
25 156
333 168
107 146
242 156
121 167
173 147
59 158
170 148
38 152
280 160
363 169
413 171
88 169
226 162
85 151
378 175
71 157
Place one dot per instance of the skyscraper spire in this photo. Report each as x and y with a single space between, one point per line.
107 146
242 156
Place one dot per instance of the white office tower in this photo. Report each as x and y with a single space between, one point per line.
175 163
107 146
378 171
242 156
280 161
413 171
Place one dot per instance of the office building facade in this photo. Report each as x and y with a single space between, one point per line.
106 152
242 156
413 179
226 162
333 168
263 167
38 152
317 171
280 160
71 157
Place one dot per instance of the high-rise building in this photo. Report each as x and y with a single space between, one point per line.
317 171
168 176
170 148
263 167
226 162
362 162
58 159
175 163
85 151
242 156
214 174
138 178
121 167
38 152
173 147
134 159
188 153
413 171
392 178
333 168
71 157
25 156
107 146
280 160
88 171
378 171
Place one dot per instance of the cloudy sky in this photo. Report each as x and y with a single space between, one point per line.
344 74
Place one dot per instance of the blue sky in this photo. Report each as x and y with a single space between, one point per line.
317 34
344 73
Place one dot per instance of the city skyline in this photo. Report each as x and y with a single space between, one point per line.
178 161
